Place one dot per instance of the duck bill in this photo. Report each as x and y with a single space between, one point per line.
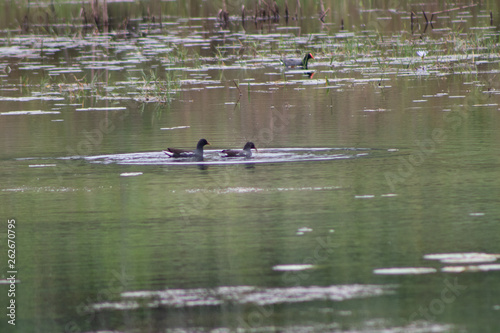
256 150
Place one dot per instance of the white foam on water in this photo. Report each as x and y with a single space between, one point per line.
116 108
28 113
130 174
404 270
296 267
465 257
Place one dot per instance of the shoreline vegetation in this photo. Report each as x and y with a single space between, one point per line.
436 40
109 15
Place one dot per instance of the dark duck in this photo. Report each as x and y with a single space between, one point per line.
182 153
246 152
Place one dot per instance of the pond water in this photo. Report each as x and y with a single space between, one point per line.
370 205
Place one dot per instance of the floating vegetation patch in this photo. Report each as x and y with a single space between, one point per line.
28 113
368 326
296 267
241 190
303 230
227 190
364 196
476 214
404 270
458 258
174 128
449 258
42 165
182 298
45 189
116 108
130 174
32 98
471 268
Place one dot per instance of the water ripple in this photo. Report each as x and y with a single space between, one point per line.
268 155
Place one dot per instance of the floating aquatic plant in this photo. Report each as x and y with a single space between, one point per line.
154 89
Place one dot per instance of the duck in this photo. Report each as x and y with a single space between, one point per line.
297 62
182 153
246 152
